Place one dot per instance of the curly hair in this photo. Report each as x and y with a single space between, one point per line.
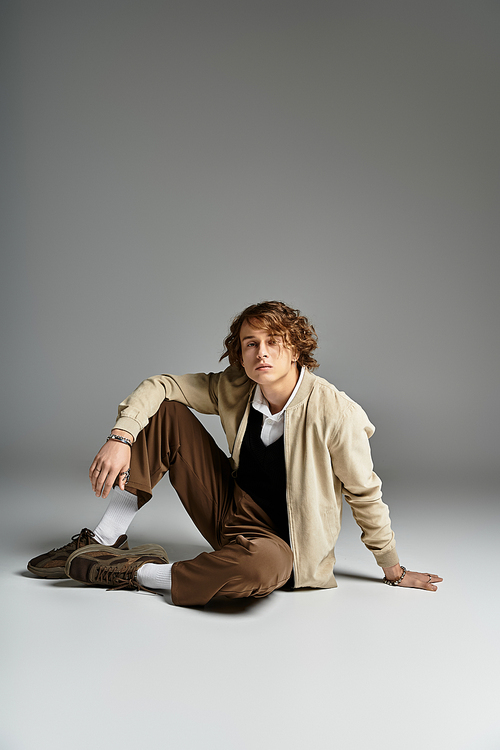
280 320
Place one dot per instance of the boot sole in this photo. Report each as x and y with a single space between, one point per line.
44 573
143 549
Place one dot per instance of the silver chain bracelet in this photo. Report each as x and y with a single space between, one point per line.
396 583
120 439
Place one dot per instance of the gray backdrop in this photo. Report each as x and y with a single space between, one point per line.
164 164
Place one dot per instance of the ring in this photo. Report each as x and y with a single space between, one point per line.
430 577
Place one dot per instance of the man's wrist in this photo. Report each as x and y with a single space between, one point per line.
393 573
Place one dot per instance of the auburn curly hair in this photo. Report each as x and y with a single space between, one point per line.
280 320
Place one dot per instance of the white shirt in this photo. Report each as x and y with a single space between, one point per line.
273 425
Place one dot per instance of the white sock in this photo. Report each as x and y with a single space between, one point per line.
117 517
154 576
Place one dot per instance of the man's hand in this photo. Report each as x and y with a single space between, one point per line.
110 464
413 580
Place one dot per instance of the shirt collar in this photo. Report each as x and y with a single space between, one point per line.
260 403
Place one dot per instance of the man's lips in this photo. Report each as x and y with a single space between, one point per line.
264 367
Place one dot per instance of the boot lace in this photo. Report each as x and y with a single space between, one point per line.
77 541
122 577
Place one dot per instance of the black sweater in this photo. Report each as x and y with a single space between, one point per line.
262 473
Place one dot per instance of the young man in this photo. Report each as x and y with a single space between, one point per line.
272 511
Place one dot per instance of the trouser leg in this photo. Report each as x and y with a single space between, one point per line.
175 441
249 559
252 561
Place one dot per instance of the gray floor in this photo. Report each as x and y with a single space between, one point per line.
362 666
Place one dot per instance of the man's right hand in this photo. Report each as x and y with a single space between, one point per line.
109 466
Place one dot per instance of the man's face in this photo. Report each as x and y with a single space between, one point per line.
265 359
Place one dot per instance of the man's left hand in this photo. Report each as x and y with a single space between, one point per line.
426 581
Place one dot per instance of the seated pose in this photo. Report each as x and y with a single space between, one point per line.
272 511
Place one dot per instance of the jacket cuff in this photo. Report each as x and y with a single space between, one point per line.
129 425
387 559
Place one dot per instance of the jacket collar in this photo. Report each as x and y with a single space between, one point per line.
305 389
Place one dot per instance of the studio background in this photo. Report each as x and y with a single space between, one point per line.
165 164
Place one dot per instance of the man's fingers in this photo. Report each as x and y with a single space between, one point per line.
104 481
429 579
92 468
432 581
424 581
108 484
99 481
123 478
95 474
99 478
104 477
112 459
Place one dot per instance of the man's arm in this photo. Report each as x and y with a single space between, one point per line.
352 463
198 391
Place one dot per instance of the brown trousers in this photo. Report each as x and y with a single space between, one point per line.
249 559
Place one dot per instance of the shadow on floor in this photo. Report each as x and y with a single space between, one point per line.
339 573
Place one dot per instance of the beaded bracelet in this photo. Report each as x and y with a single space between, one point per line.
120 439
396 583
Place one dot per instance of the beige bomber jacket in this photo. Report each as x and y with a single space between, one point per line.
327 455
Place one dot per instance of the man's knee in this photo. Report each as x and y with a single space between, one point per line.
268 564
172 420
173 409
